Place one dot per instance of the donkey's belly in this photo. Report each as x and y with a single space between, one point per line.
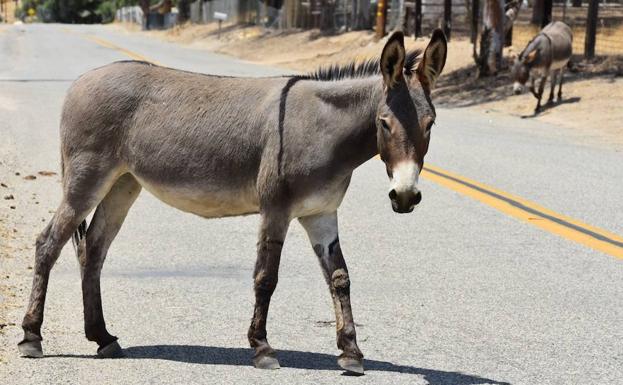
203 202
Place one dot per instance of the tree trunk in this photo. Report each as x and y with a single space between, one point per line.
496 24
511 11
183 9
537 12
491 39
144 4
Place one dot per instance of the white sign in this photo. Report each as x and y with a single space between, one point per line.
220 16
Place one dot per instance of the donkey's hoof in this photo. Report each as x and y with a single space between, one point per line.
351 365
30 349
266 362
112 350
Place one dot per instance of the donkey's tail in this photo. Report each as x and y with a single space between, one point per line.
81 231
79 234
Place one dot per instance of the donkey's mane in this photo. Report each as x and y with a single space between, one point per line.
359 69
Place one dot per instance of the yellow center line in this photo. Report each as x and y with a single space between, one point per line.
127 52
529 212
105 43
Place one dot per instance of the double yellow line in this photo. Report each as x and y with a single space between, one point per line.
514 206
131 54
529 212
107 44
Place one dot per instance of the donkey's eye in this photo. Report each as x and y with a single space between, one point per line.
385 125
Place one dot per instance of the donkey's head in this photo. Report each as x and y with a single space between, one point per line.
406 114
520 71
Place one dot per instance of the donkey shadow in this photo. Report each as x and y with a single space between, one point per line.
212 355
551 105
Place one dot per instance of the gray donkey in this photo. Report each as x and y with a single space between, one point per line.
283 147
547 53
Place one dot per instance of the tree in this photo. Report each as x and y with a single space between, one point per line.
537 12
183 9
144 4
497 21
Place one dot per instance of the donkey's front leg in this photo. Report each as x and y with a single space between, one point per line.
272 234
540 94
323 235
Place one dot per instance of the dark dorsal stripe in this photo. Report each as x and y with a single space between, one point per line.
282 116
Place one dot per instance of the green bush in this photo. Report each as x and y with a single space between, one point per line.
73 11
106 11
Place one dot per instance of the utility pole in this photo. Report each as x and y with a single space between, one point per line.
381 17
591 29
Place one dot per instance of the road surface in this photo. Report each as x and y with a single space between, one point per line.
462 291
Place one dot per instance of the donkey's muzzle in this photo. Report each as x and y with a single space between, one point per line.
405 201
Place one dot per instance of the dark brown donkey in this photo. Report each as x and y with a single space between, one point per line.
283 147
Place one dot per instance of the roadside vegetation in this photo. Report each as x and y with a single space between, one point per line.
72 11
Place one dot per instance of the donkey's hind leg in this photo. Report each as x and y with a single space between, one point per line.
323 235
562 71
107 221
553 81
83 190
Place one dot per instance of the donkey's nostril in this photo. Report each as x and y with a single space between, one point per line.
417 199
393 195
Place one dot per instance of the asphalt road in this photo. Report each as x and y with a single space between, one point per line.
455 293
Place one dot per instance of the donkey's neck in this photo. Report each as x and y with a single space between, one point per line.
355 103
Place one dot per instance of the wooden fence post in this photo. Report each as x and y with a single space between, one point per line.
547 13
418 18
447 18
474 20
591 29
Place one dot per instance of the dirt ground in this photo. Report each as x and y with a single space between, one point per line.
20 194
589 93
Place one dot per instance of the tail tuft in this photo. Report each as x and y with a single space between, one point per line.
79 234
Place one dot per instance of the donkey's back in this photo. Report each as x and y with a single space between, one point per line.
560 43
195 141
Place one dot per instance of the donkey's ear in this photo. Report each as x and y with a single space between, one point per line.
433 60
529 58
393 59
